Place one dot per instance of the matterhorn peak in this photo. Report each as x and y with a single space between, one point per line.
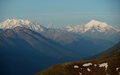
50 25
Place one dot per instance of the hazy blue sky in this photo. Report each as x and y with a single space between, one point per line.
61 12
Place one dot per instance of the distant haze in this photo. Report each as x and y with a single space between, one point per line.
63 12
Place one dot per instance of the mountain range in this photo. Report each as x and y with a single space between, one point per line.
107 64
71 41
96 29
23 51
93 24
27 47
12 23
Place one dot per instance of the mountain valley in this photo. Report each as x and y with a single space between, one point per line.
28 47
23 48
107 64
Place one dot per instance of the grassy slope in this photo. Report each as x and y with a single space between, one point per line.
113 60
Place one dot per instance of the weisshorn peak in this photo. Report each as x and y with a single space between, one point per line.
93 26
12 23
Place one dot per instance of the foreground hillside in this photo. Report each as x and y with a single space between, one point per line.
106 65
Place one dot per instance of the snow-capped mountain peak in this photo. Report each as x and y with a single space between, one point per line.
93 26
12 23
16 22
99 26
96 23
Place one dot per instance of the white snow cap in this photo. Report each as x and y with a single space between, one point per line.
12 23
93 24
69 28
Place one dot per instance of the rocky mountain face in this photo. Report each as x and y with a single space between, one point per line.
106 65
35 40
49 32
24 52
94 29
76 43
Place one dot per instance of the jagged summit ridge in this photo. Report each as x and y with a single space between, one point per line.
92 27
12 23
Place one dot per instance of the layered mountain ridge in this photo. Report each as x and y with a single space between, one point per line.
23 50
22 41
76 43
99 26
94 29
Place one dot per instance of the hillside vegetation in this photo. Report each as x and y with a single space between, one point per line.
106 65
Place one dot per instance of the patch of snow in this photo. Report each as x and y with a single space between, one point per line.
80 73
107 74
76 66
117 68
104 65
87 64
88 69
95 65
